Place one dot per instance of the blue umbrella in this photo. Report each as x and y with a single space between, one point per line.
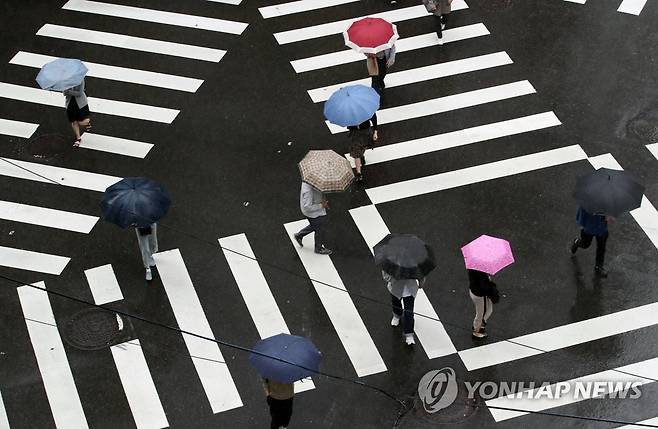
351 105
61 74
135 201
291 348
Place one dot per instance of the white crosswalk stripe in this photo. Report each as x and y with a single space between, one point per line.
121 74
96 105
17 128
32 261
130 42
339 306
633 7
402 45
157 16
653 421
233 2
298 6
337 27
49 218
4 420
447 103
653 148
53 364
103 284
115 145
421 74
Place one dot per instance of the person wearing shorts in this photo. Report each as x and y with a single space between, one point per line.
77 110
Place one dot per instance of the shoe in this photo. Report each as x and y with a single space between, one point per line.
443 26
298 239
395 321
323 251
575 245
482 329
149 275
441 41
600 271
409 339
359 177
479 334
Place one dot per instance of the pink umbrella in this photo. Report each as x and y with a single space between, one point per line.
487 254
371 35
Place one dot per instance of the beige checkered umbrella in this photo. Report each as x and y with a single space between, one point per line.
326 171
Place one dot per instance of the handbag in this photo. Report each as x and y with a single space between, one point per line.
493 294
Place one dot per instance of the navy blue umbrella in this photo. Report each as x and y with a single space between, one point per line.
290 348
136 202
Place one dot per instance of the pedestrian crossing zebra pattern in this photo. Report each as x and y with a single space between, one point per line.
101 142
631 7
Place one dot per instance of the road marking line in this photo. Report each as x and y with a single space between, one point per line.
138 385
116 145
634 7
4 420
256 293
96 105
653 421
63 176
337 27
402 45
32 261
646 215
233 2
644 372
50 218
130 42
461 137
298 6
51 358
339 306
445 104
156 16
120 74
560 337
577 1
432 335
421 74
475 174
216 379
17 128
103 284
653 148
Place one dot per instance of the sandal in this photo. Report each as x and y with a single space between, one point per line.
88 127
77 142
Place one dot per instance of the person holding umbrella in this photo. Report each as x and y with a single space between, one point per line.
378 65
484 257
362 137
77 110
592 225
440 9
279 400
403 295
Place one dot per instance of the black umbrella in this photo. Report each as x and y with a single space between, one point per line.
136 202
611 192
404 256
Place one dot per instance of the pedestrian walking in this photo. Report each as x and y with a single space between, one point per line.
484 294
592 225
279 399
77 110
403 295
314 206
440 9
378 64
147 238
362 137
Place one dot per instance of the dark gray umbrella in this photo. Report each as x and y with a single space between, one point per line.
404 256
135 201
611 192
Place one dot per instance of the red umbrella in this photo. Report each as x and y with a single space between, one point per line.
370 35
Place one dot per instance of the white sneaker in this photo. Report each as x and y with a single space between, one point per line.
395 321
441 41
149 275
409 339
443 26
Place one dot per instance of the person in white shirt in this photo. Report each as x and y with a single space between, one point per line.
314 206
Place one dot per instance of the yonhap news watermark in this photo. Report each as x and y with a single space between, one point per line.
438 389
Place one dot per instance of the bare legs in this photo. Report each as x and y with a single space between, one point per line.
85 123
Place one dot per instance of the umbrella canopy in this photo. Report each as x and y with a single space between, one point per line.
61 74
351 105
370 35
326 171
612 192
136 202
487 254
404 256
302 354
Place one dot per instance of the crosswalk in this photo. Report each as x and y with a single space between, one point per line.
631 7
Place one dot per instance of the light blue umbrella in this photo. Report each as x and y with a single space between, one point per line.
351 105
61 74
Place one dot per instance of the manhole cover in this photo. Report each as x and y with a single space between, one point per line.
49 146
645 126
461 409
95 329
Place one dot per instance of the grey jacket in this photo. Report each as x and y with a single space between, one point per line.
401 288
79 93
437 7
309 201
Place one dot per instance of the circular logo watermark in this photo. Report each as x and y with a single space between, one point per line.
438 389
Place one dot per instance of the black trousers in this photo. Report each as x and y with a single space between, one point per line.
280 411
378 81
440 19
408 317
586 240
317 225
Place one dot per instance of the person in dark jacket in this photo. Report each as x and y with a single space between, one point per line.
592 225
279 398
362 137
484 294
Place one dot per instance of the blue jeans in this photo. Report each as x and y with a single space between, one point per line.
407 314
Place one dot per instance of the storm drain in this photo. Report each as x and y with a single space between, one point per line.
645 126
460 410
95 329
49 146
